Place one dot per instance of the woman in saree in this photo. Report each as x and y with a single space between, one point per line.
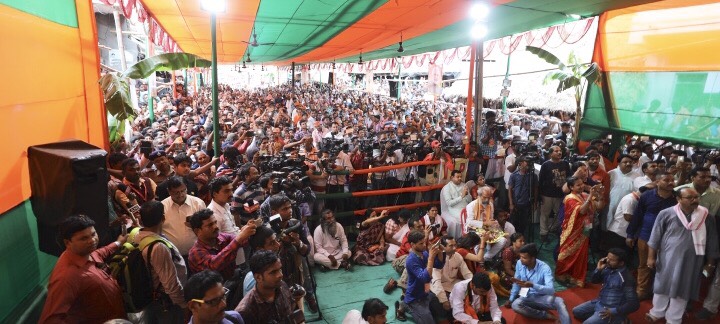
370 246
580 208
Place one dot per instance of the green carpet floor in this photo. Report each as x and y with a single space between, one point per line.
340 291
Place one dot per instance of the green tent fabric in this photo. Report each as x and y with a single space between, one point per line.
683 106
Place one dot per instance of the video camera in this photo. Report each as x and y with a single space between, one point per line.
528 151
281 163
294 226
455 151
334 146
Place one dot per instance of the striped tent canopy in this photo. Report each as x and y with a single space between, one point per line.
307 31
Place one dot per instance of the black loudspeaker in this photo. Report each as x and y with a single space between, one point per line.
393 88
68 178
331 78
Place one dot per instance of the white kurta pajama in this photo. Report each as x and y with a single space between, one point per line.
452 204
678 267
475 219
326 245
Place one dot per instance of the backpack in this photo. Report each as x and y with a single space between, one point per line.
133 273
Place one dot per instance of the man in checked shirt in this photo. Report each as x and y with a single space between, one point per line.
214 250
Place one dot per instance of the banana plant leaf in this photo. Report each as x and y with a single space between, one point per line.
116 92
165 62
547 56
592 73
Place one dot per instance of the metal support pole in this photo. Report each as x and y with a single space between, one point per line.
507 74
478 89
469 108
292 83
151 85
185 74
216 119
399 84
118 33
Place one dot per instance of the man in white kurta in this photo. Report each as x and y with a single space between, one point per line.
331 244
621 183
454 197
683 237
178 207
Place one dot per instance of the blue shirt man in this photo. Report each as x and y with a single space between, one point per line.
419 269
533 293
617 298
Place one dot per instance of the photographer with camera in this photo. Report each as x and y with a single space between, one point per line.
271 301
249 190
522 194
380 179
336 182
437 174
214 250
491 132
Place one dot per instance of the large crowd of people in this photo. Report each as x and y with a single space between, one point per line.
246 222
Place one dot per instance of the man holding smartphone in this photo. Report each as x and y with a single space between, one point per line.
617 298
533 292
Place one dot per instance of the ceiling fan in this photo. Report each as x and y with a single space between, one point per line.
254 42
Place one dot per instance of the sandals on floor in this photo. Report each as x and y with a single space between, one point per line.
651 319
389 286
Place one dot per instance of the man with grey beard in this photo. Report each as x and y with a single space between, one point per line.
331 244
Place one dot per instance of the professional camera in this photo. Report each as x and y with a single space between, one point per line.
498 126
528 151
294 225
334 146
455 151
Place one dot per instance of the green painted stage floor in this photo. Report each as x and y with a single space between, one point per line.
340 291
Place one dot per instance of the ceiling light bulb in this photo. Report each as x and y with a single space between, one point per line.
479 11
401 49
479 31
574 16
214 6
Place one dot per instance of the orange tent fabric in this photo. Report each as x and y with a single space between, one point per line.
50 91
672 35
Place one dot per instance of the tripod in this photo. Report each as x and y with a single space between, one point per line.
313 284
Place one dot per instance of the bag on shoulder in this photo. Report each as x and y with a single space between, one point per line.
133 273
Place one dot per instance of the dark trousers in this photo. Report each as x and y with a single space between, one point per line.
521 218
158 313
379 200
336 205
358 186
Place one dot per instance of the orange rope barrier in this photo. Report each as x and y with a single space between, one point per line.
396 191
394 167
398 207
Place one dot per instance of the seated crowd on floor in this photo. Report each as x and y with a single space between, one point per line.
240 231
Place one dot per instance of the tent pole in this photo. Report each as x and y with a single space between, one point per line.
118 34
469 108
507 75
292 84
215 103
151 84
399 84
478 89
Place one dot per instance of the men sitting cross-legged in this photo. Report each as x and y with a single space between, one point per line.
533 293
